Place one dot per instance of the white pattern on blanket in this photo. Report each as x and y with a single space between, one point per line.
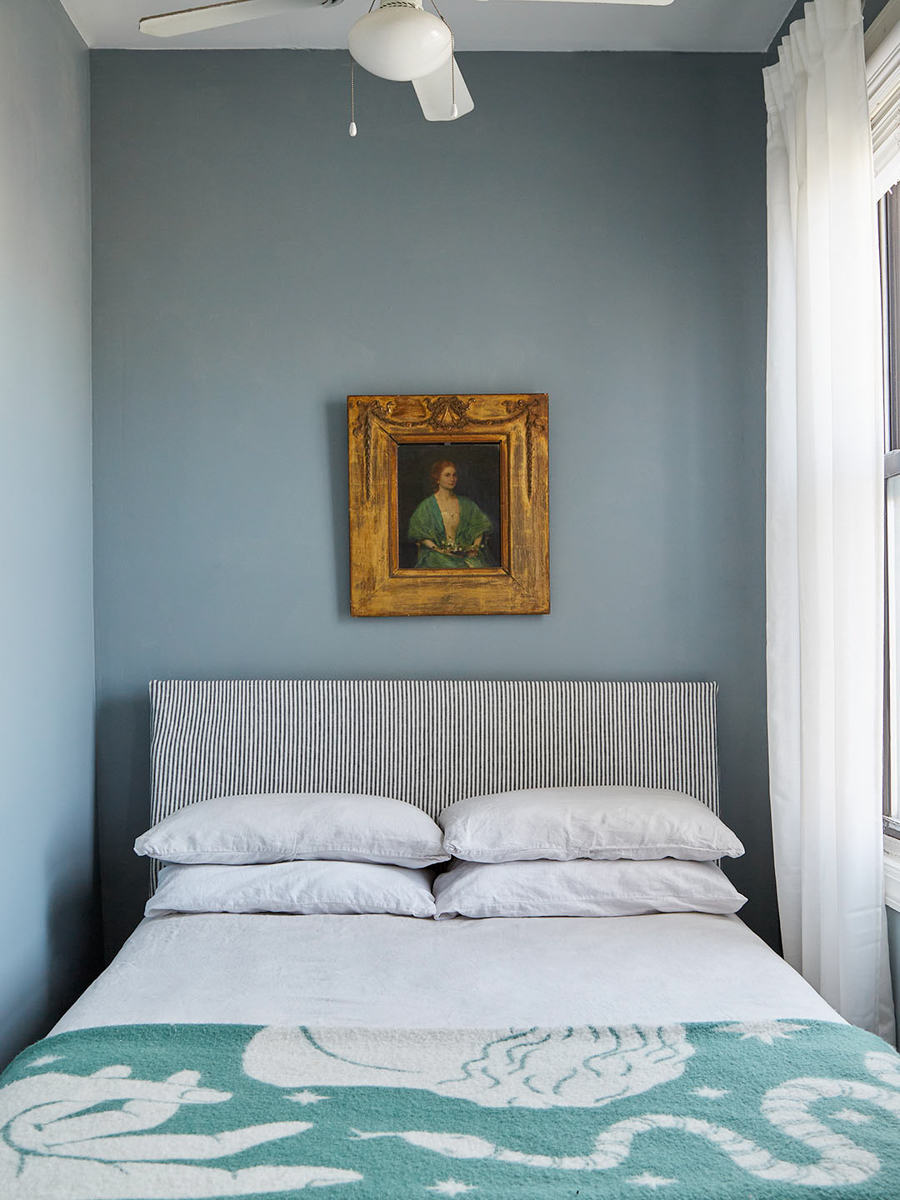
841 1161
45 1119
526 1068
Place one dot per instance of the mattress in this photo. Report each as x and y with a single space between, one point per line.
403 971
385 1058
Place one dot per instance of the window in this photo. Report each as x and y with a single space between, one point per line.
889 231
883 81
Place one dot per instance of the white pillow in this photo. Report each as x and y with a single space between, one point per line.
585 822
583 888
289 826
294 887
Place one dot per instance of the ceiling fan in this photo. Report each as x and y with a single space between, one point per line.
398 40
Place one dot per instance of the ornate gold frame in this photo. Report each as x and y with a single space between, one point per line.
379 586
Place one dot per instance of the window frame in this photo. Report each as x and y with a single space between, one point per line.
889 254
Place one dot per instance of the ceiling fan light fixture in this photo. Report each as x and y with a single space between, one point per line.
400 41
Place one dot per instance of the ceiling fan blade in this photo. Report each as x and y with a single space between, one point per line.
190 20
436 96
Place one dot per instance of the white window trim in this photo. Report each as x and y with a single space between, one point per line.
883 81
881 26
892 873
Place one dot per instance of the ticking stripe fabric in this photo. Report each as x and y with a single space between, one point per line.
428 742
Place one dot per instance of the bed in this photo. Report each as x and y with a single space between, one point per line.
383 1056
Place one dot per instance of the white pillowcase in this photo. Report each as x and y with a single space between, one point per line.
585 822
294 887
583 888
291 826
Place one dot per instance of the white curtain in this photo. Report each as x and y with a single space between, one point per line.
825 516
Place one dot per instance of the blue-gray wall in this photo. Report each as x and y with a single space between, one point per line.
596 230
46 623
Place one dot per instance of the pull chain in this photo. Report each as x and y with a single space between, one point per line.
352 130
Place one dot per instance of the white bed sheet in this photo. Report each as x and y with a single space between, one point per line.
406 972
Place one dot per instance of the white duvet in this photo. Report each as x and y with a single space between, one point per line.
404 972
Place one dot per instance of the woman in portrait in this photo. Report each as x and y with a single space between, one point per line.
449 530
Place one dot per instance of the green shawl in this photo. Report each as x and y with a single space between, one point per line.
427 523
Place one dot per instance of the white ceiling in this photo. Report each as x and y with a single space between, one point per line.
698 25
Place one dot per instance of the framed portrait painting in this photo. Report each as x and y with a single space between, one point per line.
448 505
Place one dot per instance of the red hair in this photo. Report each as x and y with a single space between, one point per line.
438 468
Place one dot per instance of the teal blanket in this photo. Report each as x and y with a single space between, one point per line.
729 1111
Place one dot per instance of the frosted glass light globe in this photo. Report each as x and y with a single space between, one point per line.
400 41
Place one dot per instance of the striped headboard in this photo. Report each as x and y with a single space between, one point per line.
426 742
